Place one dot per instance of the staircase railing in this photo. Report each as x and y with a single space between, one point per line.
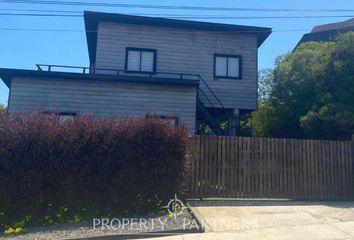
203 83
214 103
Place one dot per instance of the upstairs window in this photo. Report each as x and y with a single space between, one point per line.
140 60
227 66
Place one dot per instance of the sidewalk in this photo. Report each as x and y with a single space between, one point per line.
273 221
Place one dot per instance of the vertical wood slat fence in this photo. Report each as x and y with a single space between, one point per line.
249 167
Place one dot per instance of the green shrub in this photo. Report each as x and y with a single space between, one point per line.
53 171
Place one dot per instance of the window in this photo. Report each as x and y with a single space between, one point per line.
228 66
66 116
170 119
140 60
62 116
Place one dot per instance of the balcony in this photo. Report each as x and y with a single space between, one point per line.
115 72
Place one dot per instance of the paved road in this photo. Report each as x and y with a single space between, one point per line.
273 220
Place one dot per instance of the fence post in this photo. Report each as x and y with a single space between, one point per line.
352 145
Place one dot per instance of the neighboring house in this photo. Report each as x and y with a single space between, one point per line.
186 71
327 32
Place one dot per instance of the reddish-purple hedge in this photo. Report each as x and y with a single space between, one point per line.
105 165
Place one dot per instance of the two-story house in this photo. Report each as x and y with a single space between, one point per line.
192 72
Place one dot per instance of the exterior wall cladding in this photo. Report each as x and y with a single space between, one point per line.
104 98
185 51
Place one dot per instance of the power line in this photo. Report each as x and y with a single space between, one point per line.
82 31
167 7
42 30
167 15
192 16
38 10
183 16
39 15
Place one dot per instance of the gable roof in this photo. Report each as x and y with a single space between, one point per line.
93 18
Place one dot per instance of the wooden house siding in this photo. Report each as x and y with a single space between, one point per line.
104 98
186 51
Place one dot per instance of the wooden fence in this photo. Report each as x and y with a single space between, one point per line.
248 167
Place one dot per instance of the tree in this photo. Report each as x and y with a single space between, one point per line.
334 110
265 83
263 119
2 108
311 92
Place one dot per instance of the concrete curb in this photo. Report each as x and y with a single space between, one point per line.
141 235
167 233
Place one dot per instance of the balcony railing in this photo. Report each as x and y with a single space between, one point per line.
111 71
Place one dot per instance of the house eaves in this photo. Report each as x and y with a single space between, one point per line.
6 74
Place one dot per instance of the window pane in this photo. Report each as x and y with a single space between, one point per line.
133 61
233 67
64 118
147 61
220 66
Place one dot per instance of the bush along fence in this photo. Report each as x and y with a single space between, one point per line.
249 167
55 171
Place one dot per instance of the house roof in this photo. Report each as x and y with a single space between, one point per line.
327 32
334 26
6 74
93 18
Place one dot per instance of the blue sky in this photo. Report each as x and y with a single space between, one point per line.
23 49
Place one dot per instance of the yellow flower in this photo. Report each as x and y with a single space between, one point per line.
76 219
18 229
9 230
66 209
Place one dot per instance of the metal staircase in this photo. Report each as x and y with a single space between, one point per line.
213 115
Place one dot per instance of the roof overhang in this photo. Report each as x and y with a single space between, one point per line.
93 18
7 75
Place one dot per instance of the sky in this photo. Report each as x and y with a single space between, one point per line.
23 49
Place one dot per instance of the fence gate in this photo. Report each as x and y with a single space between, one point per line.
248 167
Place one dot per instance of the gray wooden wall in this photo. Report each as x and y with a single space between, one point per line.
104 98
185 51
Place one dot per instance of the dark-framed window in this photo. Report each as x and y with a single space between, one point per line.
66 116
172 119
228 66
140 60
63 116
